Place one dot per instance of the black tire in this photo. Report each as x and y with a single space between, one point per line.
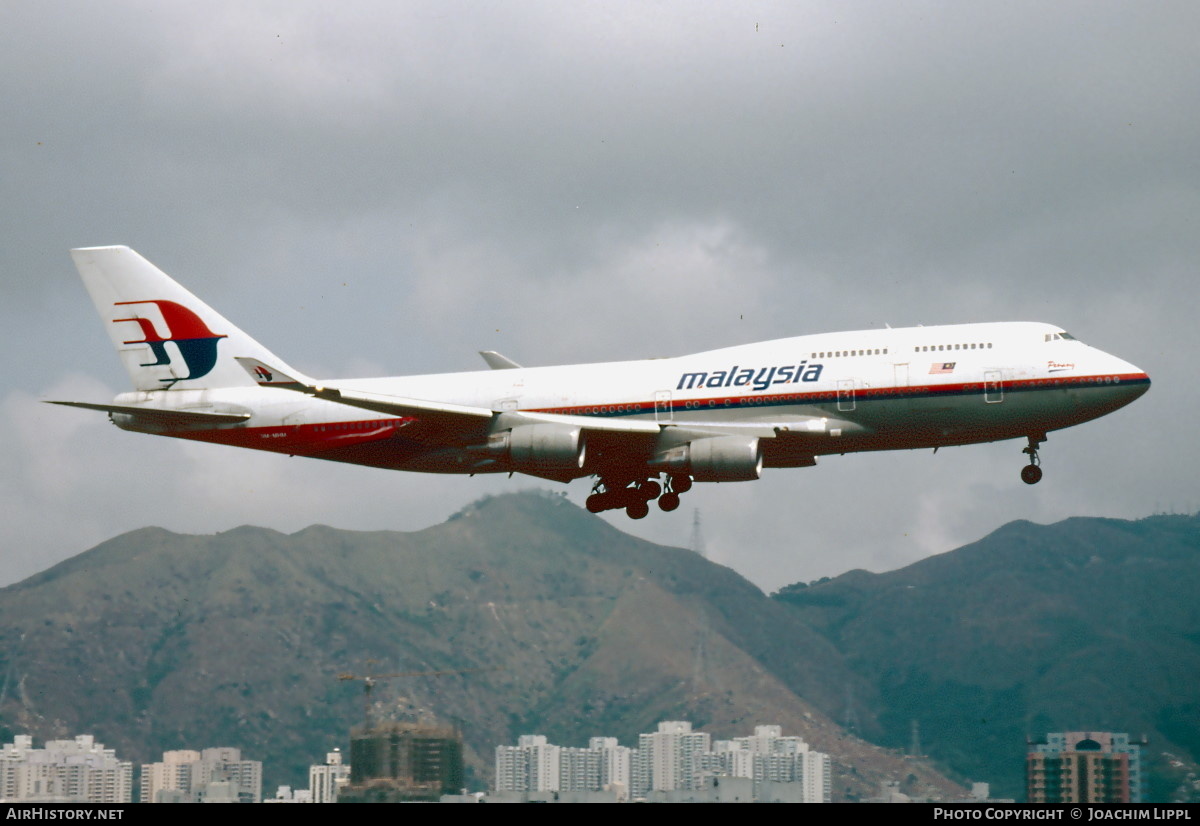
668 501
596 503
1031 474
650 490
637 510
681 484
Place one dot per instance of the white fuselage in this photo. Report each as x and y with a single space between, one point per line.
808 395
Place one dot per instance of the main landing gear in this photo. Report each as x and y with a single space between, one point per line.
1031 474
636 495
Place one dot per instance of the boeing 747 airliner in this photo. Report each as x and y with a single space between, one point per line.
646 430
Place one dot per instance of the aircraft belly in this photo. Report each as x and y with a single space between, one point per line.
395 444
966 418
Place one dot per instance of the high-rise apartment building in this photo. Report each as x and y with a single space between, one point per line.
1084 767
324 781
670 764
187 776
616 763
532 765
664 760
535 765
768 756
79 770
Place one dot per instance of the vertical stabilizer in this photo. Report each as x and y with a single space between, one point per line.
166 337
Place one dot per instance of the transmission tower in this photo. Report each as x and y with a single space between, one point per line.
850 718
697 536
914 748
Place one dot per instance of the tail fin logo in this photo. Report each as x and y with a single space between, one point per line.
197 344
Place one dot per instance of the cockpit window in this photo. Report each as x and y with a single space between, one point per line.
1060 337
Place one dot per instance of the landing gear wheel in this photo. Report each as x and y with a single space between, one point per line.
681 484
650 490
637 510
596 503
1031 474
669 501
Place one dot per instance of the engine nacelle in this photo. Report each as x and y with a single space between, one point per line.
549 450
717 459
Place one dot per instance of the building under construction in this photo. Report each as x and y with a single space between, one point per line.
401 761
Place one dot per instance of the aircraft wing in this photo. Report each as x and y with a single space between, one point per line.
268 376
443 413
461 417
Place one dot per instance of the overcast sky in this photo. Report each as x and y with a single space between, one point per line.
386 188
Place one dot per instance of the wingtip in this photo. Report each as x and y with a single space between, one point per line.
102 248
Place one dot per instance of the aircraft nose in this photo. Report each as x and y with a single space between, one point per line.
1126 381
1131 373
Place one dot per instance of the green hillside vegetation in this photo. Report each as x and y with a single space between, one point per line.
1088 624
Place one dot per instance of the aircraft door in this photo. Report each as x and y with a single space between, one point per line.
900 382
845 391
662 406
993 386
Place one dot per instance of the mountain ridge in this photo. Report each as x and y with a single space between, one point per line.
559 623
563 625
1085 624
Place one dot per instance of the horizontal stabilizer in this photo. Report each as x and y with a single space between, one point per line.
161 416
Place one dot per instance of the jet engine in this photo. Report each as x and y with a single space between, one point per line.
715 459
551 451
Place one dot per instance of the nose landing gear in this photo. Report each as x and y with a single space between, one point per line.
1031 474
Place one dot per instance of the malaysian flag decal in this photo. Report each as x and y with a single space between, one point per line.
942 367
